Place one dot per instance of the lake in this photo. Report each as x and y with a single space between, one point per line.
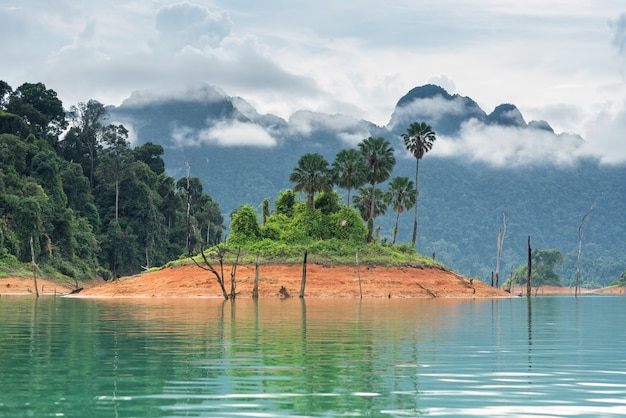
552 357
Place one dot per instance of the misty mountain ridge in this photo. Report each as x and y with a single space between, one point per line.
464 130
481 167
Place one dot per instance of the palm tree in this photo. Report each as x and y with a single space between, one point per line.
379 161
349 170
402 197
363 202
311 176
418 140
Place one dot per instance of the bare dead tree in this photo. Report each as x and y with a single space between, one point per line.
233 283
188 190
255 289
501 234
32 258
218 275
530 270
358 271
303 283
581 232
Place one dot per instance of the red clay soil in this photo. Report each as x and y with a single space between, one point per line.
14 286
321 282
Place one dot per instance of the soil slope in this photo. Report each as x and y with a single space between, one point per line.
321 281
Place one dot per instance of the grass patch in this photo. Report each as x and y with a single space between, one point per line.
327 252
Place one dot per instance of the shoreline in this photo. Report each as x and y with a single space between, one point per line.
338 281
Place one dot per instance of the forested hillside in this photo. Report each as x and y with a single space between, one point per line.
244 157
107 190
75 195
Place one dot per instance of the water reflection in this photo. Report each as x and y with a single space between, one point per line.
311 357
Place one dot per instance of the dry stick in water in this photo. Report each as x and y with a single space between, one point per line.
358 272
303 283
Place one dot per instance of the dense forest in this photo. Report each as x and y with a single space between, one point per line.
77 199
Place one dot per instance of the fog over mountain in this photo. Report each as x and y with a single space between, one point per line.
483 165
501 138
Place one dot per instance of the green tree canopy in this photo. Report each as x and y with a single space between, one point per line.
312 176
379 162
349 170
40 108
244 225
543 264
151 154
285 202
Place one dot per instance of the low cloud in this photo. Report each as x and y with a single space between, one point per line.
503 147
305 122
227 134
185 24
201 93
606 135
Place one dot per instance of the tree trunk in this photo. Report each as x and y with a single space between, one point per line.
303 283
358 272
255 289
117 199
580 241
530 270
148 262
414 239
32 258
188 171
501 234
209 267
233 272
372 201
395 230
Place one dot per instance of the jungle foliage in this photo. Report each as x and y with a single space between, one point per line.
92 203
543 265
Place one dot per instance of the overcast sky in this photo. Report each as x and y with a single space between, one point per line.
562 61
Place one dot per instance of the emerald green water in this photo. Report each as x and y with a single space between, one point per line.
555 357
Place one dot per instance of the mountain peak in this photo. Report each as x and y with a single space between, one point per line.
507 115
434 105
427 91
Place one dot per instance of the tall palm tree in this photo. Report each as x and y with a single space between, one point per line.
367 197
379 161
402 197
311 176
418 140
349 170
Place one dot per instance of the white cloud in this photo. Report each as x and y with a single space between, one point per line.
186 24
228 134
202 93
607 131
508 147
303 122
433 108
552 59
